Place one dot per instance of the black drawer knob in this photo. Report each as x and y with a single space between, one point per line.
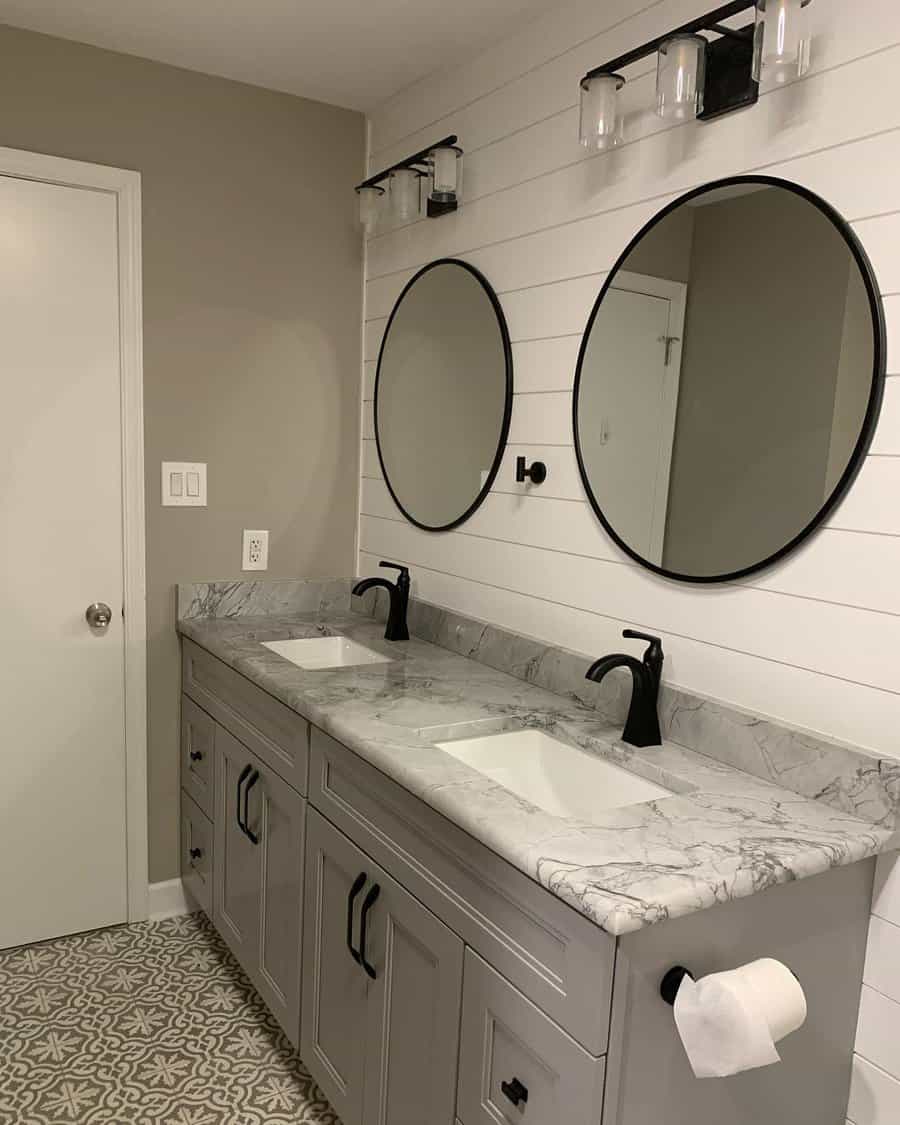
196 755
196 853
515 1091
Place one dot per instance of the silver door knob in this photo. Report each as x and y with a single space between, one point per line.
98 615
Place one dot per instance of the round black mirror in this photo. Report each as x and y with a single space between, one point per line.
729 379
443 395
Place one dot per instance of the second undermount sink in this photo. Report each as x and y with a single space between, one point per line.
551 774
316 653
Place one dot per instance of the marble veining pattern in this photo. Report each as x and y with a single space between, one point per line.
844 777
723 834
245 597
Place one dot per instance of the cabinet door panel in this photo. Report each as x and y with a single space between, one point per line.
196 853
333 1030
414 1006
236 876
277 816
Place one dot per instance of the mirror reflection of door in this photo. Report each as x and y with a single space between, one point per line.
716 464
631 448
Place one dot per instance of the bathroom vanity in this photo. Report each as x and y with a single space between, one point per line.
442 948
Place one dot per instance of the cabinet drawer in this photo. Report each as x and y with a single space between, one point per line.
275 733
197 746
558 958
196 853
517 1066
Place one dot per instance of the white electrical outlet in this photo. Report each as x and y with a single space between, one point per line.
255 555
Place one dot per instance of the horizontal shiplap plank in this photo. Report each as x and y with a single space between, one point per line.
731 617
874 1094
882 970
878 1031
370 370
368 420
887 433
873 502
846 710
886 895
371 466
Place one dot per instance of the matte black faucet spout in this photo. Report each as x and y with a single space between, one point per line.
642 725
396 629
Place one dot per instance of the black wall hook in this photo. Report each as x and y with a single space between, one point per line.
537 471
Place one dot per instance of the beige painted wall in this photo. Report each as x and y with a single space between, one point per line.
252 302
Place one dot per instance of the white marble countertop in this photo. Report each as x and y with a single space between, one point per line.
722 835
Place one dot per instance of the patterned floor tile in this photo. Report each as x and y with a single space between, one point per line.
150 1024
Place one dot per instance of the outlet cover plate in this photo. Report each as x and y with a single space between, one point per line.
255 552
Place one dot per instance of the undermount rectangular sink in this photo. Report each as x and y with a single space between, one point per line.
325 652
554 776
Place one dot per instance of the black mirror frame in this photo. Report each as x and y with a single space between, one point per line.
507 408
876 393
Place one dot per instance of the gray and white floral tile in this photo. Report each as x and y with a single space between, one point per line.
148 1023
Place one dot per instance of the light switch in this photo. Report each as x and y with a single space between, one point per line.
183 484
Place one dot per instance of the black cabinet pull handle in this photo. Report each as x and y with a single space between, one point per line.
196 755
358 883
368 903
515 1091
251 836
245 773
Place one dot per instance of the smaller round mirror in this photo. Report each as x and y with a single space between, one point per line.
729 379
443 395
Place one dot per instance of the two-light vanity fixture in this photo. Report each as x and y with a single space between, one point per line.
702 78
397 190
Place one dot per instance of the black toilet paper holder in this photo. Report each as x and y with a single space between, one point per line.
671 982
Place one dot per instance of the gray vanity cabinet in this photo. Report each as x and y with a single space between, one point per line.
257 899
383 1047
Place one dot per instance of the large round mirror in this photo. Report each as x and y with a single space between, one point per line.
729 379
443 394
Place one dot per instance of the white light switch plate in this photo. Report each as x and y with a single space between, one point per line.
255 554
183 484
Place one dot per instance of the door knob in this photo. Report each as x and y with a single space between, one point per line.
98 615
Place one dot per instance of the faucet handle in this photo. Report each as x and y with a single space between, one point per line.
654 652
404 570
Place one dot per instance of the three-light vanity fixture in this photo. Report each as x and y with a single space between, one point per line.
700 77
397 190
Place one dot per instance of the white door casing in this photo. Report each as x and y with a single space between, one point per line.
630 439
73 702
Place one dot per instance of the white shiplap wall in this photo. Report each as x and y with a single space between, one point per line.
812 641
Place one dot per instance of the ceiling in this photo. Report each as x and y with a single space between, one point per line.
352 53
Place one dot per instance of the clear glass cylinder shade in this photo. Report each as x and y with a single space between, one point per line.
405 194
680 77
781 41
369 207
601 123
446 172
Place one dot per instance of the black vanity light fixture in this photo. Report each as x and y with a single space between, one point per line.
399 188
701 77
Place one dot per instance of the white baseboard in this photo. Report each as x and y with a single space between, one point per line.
169 899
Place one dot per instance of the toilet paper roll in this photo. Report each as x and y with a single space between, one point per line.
730 1022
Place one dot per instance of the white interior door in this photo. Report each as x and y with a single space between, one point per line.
63 841
632 399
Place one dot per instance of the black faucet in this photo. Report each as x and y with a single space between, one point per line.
642 725
399 591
